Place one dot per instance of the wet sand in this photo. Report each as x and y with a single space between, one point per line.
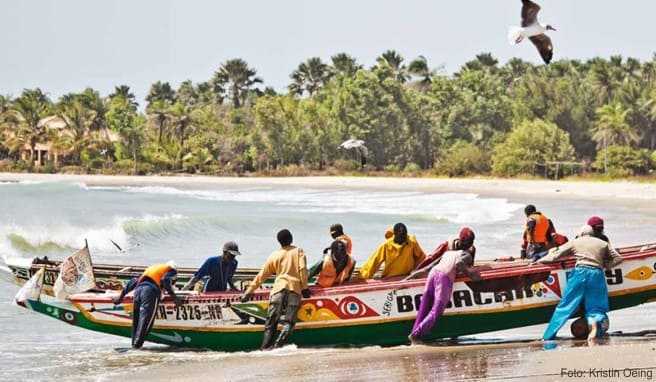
487 186
519 361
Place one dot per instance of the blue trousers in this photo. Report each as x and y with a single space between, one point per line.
144 305
584 284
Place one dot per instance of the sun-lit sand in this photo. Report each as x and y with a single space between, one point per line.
488 186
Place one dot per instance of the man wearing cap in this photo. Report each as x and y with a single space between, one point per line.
219 270
463 242
455 256
597 225
147 293
586 283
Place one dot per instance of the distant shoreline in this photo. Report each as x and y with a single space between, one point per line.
484 186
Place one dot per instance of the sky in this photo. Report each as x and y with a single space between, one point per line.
66 45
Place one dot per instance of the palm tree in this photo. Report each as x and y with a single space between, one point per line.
394 61
419 68
309 77
158 113
186 93
649 108
606 77
5 122
80 121
238 78
160 91
180 116
125 92
27 110
612 128
483 61
343 63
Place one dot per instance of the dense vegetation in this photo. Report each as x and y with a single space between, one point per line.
512 119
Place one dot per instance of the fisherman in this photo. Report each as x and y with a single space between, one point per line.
464 242
457 257
336 267
597 225
290 267
147 294
586 283
220 270
337 233
400 253
538 231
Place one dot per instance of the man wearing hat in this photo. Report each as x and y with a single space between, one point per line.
597 225
455 256
218 269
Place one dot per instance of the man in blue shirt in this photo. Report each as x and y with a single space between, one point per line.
219 269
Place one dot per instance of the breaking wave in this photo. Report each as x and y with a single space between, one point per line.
452 207
63 238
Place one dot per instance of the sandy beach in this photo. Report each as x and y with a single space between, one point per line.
486 186
520 361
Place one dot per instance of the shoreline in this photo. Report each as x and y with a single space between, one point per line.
485 186
571 360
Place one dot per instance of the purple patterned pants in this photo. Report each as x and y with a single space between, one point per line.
433 302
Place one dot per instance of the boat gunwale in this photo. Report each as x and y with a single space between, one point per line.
364 286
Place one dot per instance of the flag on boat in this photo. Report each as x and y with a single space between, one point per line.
75 274
32 288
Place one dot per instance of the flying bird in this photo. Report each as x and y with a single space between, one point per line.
532 29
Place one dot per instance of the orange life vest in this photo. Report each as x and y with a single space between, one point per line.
539 235
328 276
156 273
349 243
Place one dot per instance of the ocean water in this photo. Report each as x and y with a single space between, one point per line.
189 222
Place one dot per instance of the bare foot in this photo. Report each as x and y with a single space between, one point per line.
592 336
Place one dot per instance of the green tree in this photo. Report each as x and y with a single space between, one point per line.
80 121
237 78
123 118
27 111
619 161
419 68
309 77
612 127
530 144
394 61
161 92
344 64
125 92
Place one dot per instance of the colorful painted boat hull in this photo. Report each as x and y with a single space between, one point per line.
364 313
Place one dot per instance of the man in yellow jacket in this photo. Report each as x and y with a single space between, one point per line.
290 267
400 253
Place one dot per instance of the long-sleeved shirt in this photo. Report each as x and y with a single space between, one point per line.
589 251
220 273
399 259
290 267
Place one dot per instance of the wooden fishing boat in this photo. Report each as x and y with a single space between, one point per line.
373 312
108 276
115 277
